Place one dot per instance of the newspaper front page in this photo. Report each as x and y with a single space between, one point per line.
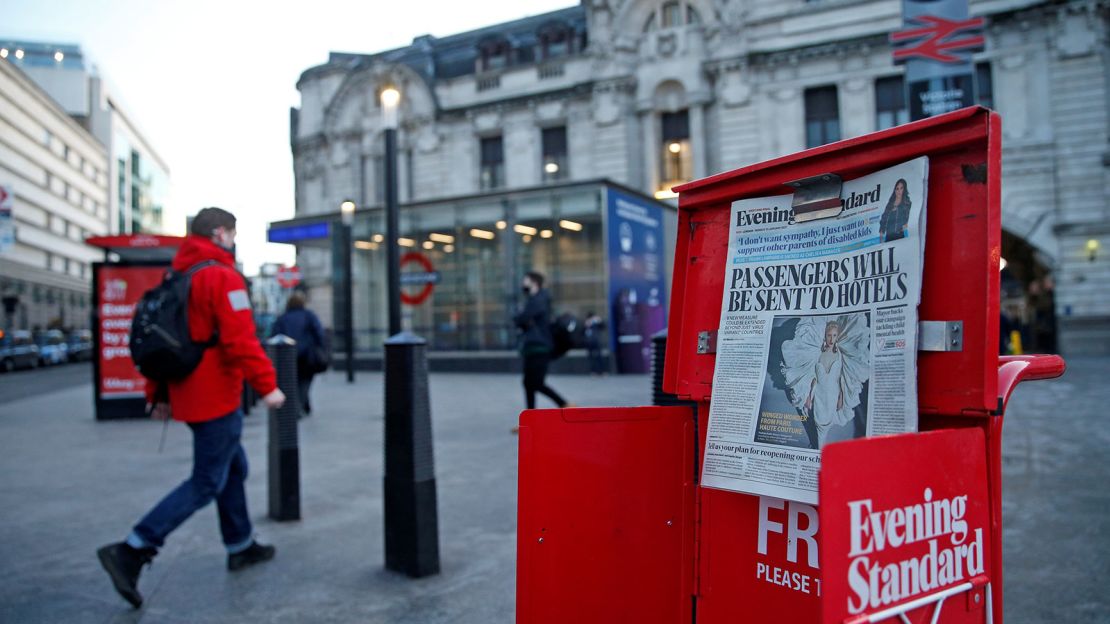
818 335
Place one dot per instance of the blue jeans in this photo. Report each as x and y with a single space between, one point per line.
219 470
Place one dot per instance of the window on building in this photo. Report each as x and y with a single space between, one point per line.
822 116
672 14
984 85
121 195
554 141
890 103
556 40
492 172
494 54
676 156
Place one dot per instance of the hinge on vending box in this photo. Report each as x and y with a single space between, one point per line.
940 336
817 197
707 342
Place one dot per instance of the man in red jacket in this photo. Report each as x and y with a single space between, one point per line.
209 402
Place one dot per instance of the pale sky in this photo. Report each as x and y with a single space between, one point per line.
210 83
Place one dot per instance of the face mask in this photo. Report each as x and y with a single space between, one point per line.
220 242
526 290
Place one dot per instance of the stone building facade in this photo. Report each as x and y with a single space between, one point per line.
649 93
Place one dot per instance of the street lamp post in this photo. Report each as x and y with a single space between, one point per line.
390 98
347 213
409 485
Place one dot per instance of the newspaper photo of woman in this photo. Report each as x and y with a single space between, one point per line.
825 367
893 223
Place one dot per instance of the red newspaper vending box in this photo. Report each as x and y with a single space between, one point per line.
613 525
133 265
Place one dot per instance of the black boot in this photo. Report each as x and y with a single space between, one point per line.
255 553
123 564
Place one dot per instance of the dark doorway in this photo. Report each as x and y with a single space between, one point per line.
1028 298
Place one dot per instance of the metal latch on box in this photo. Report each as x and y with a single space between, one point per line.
817 197
940 336
707 342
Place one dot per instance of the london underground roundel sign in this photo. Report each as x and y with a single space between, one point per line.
289 277
424 277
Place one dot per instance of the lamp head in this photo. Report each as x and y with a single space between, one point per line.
390 97
347 211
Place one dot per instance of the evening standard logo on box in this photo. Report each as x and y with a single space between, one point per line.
955 551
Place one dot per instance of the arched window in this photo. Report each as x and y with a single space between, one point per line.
493 54
672 14
555 39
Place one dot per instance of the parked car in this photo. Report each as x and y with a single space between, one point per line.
17 350
52 347
80 345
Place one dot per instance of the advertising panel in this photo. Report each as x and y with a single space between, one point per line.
637 285
119 288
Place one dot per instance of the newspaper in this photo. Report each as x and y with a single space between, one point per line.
818 335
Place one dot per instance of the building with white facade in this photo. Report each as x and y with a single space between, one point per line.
649 93
58 173
267 294
139 193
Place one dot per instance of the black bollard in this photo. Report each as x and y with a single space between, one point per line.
411 524
284 452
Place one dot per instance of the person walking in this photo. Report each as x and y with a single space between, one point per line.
593 326
302 325
209 401
536 343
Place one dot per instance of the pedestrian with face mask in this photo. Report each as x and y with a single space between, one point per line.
208 400
536 344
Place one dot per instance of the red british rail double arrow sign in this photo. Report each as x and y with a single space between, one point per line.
937 38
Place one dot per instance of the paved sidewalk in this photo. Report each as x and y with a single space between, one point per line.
70 484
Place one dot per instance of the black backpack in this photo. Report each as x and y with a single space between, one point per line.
161 346
562 335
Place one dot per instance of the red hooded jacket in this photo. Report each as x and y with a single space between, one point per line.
218 302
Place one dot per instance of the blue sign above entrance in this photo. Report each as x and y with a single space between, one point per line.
294 233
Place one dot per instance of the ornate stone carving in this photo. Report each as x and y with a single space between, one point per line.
551 110
427 139
607 101
1076 31
666 44
487 121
